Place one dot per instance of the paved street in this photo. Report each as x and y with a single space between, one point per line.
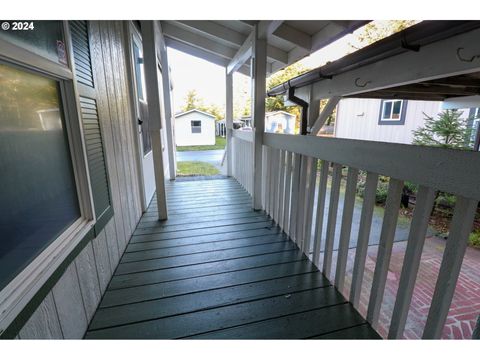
213 157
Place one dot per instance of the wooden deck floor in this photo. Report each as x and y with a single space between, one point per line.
216 269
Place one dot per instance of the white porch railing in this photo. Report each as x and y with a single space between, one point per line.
242 158
290 184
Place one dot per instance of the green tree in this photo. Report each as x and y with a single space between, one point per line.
447 130
377 30
193 101
277 103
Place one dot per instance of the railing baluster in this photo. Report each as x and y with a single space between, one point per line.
322 192
281 188
276 172
288 193
264 175
309 200
363 237
301 201
332 219
460 228
411 262
267 181
271 164
294 196
346 227
387 235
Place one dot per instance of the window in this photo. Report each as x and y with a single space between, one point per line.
475 115
38 196
139 72
45 39
196 126
392 112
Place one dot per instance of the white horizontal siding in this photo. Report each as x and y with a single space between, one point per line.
358 119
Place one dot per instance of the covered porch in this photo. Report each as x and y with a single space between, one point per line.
288 176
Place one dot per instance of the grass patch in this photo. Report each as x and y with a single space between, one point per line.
220 143
195 168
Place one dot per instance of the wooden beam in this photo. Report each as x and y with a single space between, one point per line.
175 44
150 34
222 33
268 27
293 35
326 35
196 40
326 112
433 61
242 55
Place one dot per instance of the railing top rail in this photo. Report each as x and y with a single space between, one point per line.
243 135
453 171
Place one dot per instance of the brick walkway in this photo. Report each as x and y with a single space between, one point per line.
465 306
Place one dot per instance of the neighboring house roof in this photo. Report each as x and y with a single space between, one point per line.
235 121
270 113
193 110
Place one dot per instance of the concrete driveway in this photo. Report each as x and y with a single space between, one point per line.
213 157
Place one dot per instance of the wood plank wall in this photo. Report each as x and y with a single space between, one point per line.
69 306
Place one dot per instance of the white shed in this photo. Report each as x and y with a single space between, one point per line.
194 127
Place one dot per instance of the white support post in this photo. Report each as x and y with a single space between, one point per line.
169 118
229 118
150 34
259 64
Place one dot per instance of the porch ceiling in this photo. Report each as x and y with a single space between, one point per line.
287 41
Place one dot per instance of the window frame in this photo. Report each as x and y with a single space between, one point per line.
195 126
389 121
21 289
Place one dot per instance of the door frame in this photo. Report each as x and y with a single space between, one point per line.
131 32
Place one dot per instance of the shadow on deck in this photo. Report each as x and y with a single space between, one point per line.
217 269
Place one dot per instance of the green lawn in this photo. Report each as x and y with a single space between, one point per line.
220 143
189 168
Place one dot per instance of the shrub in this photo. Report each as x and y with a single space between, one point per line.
381 192
474 239
410 188
445 200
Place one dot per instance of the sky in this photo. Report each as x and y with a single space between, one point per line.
208 79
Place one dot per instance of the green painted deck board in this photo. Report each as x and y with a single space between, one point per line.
217 269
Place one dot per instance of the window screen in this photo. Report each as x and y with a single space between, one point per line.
196 126
38 198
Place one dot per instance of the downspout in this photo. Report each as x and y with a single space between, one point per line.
296 100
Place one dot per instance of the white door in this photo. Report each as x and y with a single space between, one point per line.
141 109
